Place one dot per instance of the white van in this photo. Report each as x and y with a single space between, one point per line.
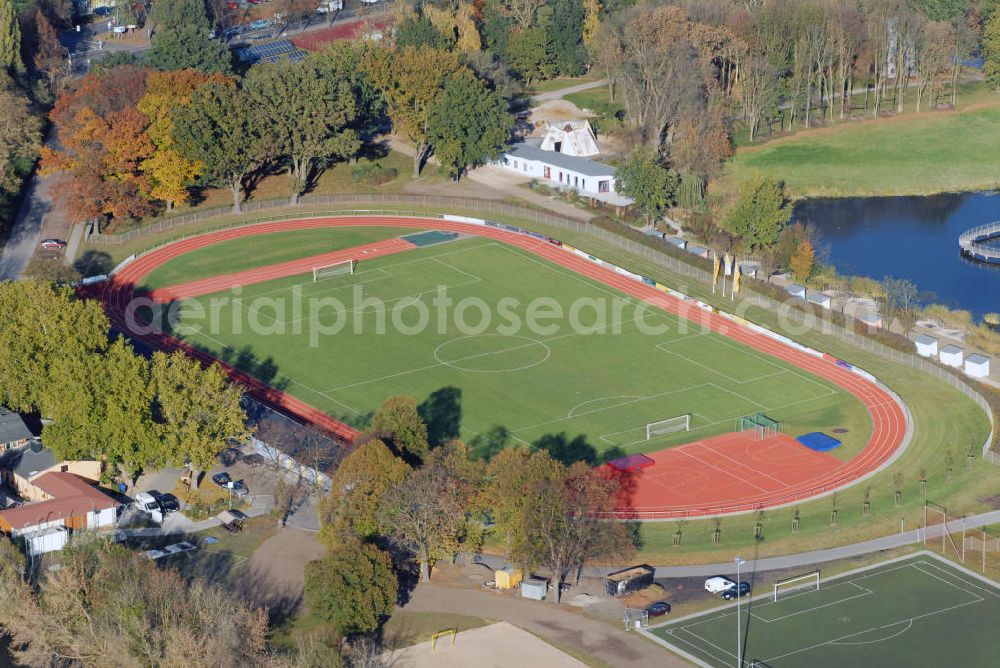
718 584
148 504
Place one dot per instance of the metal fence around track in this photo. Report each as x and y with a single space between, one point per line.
797 315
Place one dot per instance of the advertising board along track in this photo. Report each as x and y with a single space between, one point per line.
890 428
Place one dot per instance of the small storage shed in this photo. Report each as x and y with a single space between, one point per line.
927 345
677 242
534 588
749 269
796 290
695 249
52 539
871 319
629 580
508 577
818 298
977 366
952 356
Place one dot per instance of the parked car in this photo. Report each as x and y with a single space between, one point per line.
260 24
222 479
253 459
168 502
718 584
238 488
736 591
53 243
330 6
233 5
658 609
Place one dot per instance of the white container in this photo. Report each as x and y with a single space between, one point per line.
952 356
927 346
977 366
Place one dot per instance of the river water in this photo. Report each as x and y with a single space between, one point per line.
911 237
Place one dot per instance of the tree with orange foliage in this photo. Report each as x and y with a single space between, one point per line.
170 172
804 261
102 145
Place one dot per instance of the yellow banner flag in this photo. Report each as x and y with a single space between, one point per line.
736 277
715 269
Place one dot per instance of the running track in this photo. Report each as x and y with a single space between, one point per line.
888 418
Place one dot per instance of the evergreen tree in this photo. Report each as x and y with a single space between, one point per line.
562 21
10 39
181 39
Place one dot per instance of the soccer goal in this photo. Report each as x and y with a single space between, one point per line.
344 268
761 425
806 581
668 426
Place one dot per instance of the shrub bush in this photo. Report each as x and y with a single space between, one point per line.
373 174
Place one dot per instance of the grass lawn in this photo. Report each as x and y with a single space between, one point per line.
565 382
906 155
919 610
590 99
258 251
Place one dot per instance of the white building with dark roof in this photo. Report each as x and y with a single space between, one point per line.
13 432
558 170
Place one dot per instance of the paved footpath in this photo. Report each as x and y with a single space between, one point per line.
801 559
601 640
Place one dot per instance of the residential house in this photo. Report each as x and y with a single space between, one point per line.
21 467
70 504
13 432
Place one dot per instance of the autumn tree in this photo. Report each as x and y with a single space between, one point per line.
20 139
759 214
171 173
49 55
220 131
803 262
356 490
109 605
508 476
429 512
102 144
353 587
307 113
411 79
398 422
652 185
563 525
468 123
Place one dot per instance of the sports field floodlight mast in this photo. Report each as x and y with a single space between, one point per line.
739 646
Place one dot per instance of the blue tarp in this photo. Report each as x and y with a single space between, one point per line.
818 441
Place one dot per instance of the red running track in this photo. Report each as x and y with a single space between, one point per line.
887 415
207 286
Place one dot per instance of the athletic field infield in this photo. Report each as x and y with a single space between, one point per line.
508 339
600 382
919 610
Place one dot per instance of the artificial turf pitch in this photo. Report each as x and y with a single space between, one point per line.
599 383
915 611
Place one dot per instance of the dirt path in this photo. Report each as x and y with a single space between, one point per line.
275 574
598 639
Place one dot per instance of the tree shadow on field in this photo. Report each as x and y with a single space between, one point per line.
246 361
93 263
568 451
487 444
442 413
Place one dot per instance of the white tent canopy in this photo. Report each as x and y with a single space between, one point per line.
571 138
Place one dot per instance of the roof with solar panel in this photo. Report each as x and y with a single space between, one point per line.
271 52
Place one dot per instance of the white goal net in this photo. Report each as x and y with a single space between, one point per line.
344 268
799 582
669 426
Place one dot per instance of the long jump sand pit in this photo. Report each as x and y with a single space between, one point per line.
494 646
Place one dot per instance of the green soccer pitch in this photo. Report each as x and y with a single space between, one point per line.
919 610
562 382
